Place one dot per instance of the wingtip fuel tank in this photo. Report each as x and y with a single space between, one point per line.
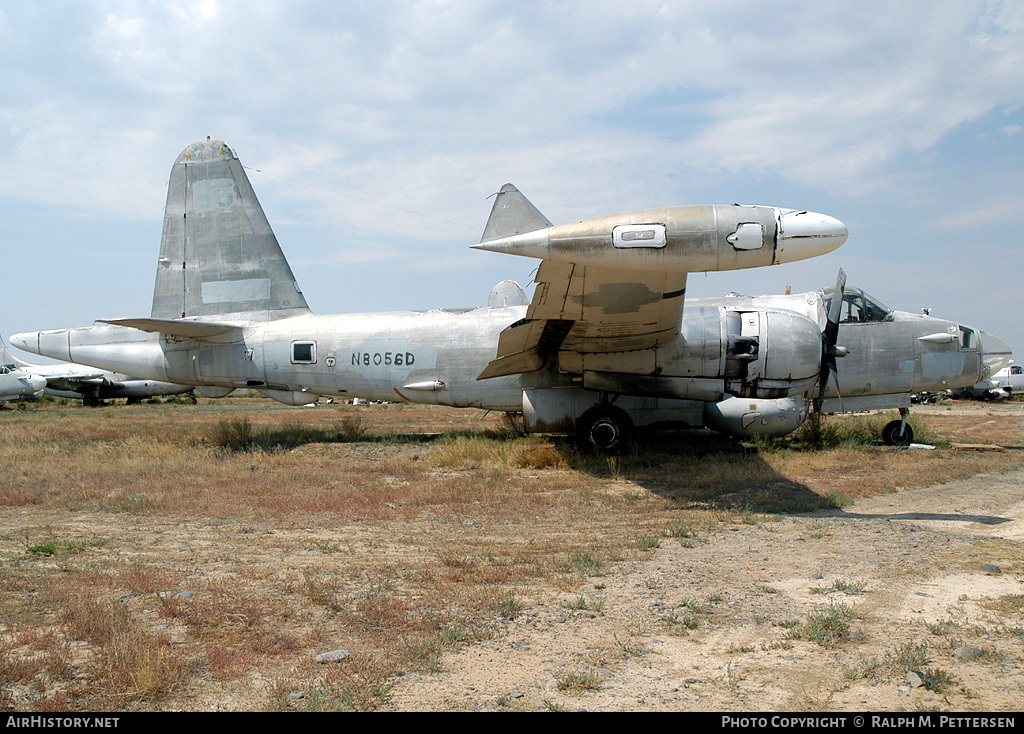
673 239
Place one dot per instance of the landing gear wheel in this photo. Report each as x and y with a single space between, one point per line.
891 434
604 429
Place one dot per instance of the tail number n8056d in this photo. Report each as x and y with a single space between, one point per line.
398 359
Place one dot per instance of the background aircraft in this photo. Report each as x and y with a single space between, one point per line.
604 346
89 384
17 384
1007 381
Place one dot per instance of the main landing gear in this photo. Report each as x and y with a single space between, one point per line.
604 429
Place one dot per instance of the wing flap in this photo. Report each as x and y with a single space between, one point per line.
585 310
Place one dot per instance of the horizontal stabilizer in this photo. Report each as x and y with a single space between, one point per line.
512 214
175 327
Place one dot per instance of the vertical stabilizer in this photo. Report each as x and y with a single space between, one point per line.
218 254
512 214
7 358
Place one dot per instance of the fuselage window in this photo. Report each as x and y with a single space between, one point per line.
303 352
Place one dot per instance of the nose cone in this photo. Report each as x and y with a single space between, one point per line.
995 354
25 341
807 234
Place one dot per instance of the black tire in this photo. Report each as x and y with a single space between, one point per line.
604 429
891 434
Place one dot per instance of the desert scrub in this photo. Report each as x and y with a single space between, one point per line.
827 626
239 434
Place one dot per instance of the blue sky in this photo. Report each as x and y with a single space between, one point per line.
905 120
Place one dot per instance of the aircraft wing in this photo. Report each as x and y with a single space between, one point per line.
615 284
580 309
72 381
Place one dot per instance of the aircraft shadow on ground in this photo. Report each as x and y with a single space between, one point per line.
925 516
693 469
700 469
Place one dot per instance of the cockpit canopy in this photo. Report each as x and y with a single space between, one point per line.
6 369
858 306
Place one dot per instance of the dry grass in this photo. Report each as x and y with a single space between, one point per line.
163 556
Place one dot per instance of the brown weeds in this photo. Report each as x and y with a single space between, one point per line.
147 566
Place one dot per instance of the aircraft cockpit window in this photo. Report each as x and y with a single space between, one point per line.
858 307
968 340
303 352
6 369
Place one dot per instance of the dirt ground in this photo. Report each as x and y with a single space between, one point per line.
708 627
929 579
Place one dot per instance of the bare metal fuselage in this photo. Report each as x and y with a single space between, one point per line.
435 356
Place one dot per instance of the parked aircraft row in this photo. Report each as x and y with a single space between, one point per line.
604 346
65 380
1007 381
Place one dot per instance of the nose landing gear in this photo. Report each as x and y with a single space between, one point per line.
898 432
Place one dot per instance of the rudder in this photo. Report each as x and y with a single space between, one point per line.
218 253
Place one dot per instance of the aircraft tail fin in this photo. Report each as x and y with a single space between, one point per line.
218 254
512 214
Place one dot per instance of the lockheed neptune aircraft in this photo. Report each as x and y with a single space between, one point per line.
605 346
89 384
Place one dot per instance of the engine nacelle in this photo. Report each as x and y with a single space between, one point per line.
760 354
744 418
771 354
289 397
208 391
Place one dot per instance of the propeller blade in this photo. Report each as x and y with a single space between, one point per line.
829 336
836 307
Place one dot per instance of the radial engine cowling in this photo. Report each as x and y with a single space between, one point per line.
771 354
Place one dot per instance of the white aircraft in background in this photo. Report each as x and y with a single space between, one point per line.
1004 383
17 384
88 384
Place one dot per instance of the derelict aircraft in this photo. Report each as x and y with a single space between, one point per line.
88 384
604 347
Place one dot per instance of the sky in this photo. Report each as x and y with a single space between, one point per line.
374 133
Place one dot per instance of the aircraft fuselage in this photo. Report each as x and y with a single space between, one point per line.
758 348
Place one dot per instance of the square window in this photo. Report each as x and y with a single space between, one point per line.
303 352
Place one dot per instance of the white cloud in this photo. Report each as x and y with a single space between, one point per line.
587 107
